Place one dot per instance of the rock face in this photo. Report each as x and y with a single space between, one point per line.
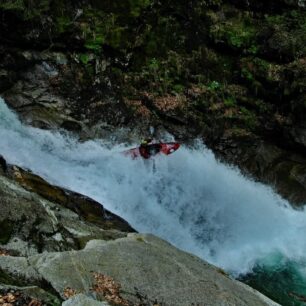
56 245
221 70
147 269
284 170
83 300
49 97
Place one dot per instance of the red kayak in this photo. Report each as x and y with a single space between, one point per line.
152 150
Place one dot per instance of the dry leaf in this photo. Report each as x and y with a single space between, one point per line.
4 253
69 292
109 289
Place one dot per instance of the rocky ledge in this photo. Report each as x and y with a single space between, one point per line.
57 246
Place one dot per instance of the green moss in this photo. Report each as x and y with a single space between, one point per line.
230 101
263 108
291 19
259 72
136 6
84 58
63 23
288 30
116 38
99 28
237 33
178 88
160 76
95 43
90 70
13 5
126 9
166 35
247 74
108 23
214 85
26 8
248 118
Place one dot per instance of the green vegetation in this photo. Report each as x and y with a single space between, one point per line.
137 6
230 102
170 49
178 88
214 85
84 58
26 8
247 74
162 76
13 5
249 118
63 23
237 33
289 33
126 9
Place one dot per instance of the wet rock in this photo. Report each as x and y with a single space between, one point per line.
72 126
7 79
85 207
282 170
49 218
3 164
298 134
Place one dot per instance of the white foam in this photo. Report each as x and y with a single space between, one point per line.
188 198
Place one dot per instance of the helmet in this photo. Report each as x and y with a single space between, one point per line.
146 141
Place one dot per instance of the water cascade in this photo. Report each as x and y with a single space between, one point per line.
189 198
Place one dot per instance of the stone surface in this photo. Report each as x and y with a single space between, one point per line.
281 169
83 300
147 269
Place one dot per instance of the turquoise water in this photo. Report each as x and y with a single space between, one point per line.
280 279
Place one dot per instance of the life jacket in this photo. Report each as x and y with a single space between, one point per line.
146 151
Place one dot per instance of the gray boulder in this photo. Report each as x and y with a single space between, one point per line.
83 300
144 269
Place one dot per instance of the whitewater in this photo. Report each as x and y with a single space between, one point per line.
188 198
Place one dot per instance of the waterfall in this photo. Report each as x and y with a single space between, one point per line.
188 198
